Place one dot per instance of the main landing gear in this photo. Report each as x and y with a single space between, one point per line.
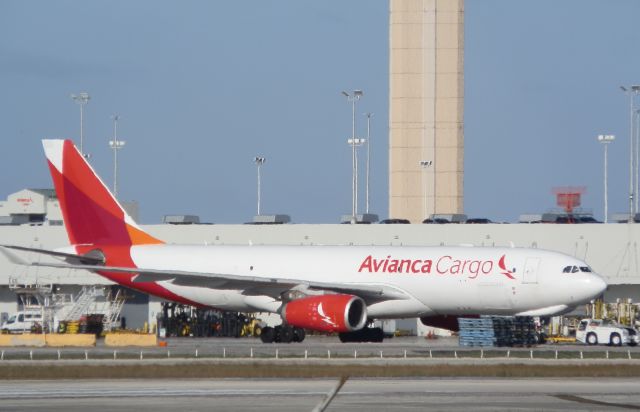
282 334
363 335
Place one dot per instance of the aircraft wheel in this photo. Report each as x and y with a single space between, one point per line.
268 335
375 335
284 334
362 335
298 334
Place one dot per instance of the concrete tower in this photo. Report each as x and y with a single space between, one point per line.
426 94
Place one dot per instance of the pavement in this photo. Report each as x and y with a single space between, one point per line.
477 394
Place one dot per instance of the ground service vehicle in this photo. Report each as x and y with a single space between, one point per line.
604 332
340 289
22 322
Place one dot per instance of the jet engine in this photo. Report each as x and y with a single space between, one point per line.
326 313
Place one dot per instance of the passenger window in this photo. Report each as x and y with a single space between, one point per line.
20 318
583 326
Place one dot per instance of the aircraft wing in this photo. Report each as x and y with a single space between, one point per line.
251 285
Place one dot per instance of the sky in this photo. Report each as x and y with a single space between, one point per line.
203 87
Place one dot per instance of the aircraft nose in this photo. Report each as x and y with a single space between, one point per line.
595 285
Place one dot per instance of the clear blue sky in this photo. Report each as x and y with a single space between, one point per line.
202 87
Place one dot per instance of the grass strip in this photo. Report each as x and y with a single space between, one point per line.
278 370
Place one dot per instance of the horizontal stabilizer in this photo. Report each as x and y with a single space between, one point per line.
13 258
68 257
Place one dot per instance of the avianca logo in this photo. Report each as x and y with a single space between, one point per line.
445 265
505 271
325 318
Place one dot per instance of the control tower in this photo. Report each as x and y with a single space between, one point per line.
426 92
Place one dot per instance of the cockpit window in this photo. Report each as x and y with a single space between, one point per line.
576 269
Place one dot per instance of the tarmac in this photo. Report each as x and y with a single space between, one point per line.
477 394
505 378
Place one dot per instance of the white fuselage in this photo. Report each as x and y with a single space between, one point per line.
438 280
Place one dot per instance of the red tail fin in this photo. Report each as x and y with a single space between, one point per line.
91 214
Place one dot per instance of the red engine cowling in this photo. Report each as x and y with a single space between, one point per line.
326 313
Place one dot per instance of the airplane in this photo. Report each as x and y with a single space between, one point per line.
340 289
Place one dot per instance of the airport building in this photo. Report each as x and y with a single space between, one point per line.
610 249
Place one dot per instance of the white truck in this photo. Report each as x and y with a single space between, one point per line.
22 322
604 332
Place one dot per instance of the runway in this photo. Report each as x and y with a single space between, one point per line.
303 395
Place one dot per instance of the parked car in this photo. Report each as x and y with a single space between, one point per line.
604 332
478 220
395 221
587 219
437 220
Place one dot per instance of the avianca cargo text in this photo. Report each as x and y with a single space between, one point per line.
444 265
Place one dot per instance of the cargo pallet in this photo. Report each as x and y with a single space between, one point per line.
497 331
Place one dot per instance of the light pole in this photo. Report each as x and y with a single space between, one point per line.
82 99
631 92
637 150
116 145
605 139
369 116
425 164
355 143
259 161
353 98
